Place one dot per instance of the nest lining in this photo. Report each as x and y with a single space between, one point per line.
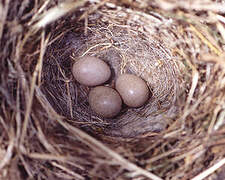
126 49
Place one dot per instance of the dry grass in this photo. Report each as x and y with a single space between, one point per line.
48 130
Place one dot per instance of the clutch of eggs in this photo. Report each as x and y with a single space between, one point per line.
106 101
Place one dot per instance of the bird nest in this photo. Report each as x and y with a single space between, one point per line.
126 48
47 127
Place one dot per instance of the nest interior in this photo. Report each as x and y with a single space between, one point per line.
48 130
127 49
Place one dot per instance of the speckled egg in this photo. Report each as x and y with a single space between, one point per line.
91 71
105 101
133 90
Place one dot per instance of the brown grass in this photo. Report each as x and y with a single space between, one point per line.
48 130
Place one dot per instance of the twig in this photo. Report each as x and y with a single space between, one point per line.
77 176
57 12
206 41
192 5
8 154
33 82
210 170
3 15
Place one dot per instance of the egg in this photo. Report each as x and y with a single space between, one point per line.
105 101
91 71
133 90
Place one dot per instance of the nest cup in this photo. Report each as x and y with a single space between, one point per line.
132 47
